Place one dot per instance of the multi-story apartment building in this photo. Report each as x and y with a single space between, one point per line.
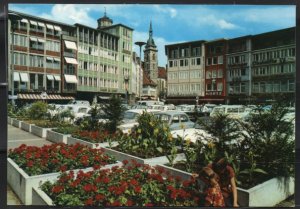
238 70
137 77
215 71
273 66
185 72
74 60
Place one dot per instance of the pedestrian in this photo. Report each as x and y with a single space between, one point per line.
212 192
226 181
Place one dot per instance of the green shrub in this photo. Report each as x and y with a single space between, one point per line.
38 110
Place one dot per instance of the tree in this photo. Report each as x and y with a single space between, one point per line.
114 112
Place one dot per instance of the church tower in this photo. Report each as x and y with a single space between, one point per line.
104 21
150 57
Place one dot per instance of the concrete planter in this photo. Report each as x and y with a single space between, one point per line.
9 120
57 137
26 126
151 161
39 131
22 184
39 197
73 140
16 123
267 194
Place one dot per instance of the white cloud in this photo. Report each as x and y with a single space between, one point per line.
166 10
223 24
70 13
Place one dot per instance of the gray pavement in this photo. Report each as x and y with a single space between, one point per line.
16 137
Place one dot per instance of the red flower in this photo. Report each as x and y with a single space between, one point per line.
106 180
96 167
149 204
28 155
129 203
99 197
63 168
87 187
57 189
137 189
125 162
186 183
133 182
116 203
173 195
170 187
89 201
30 163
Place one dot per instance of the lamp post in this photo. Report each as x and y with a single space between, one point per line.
140 44
14 20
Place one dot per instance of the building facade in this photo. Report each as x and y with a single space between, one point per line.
238 68
273 66
73 60
185 72
251 69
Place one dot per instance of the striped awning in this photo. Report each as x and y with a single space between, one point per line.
49 97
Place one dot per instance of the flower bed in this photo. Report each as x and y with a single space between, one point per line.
151 161
131 185
28 165
95 139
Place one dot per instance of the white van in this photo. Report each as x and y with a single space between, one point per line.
233 111
149 102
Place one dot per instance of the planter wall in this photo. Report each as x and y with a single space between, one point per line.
26 126
73 140
9 120
39 197
39 131
22 184
57 137
16 123
151 161
267 194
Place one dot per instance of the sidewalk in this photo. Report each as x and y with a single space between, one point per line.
16 137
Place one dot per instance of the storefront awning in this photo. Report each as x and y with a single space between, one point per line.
50 26
48 97
41 40
71 79
41 24
71 61
70 45
50 77
56 59
49 59
33 39
24 77
33 22
57 77
16 76
24 21
57 28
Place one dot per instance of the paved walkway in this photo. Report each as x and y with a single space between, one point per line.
16 137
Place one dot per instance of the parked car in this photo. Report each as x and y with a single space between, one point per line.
192 134
175 119
207 108
130 119
233 111
79 102
101 117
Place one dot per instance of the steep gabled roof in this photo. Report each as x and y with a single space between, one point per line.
162 73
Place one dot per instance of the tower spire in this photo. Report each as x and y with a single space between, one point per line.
104 11
150 42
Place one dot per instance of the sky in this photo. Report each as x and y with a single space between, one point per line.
172 23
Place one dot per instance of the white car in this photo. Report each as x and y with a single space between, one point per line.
191 134
130 119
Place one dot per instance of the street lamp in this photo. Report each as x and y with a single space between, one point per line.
14 18
140 44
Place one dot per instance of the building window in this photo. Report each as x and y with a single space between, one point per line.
208 61
220 73
198 61
243 72
215 60
181 63
243 88
283 86
220 87
276 86
262 87
220 60
170 63
214 73
208 74
208 87
291 85
186 62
